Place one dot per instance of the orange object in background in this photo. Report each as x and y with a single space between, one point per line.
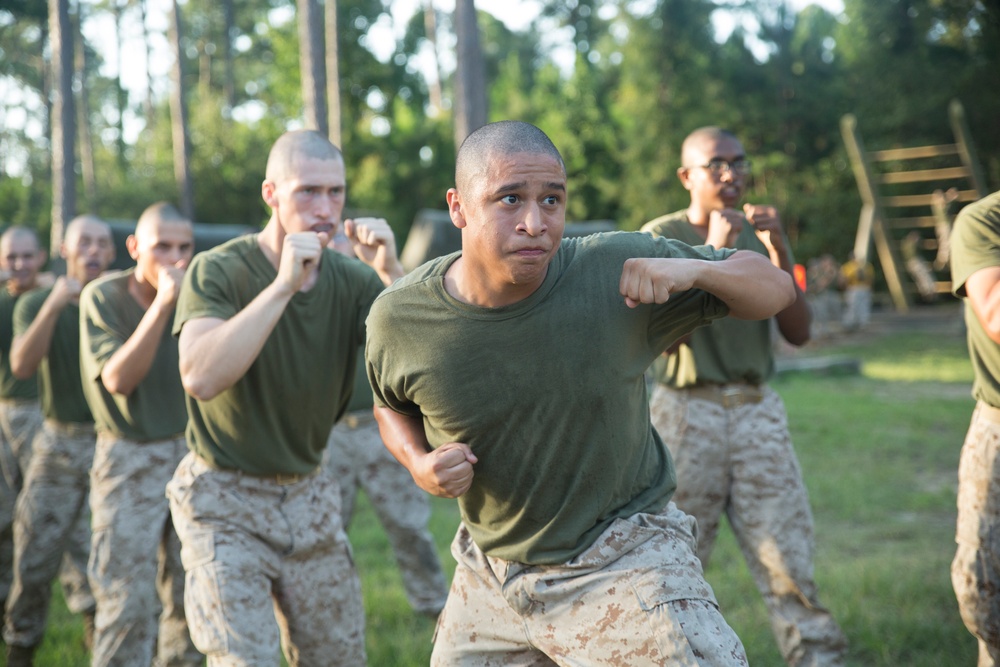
800 276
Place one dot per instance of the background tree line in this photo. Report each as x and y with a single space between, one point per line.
645 74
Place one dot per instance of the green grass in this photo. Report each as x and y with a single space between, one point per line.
880 455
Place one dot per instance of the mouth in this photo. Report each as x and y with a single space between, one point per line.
531 252
323 227
93 266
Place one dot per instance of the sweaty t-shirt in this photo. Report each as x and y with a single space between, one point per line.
730 350
10 386
278 416
59 383
548 392
155 408
975 245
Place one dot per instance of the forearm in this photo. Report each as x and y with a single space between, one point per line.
215 354
983 291
28 349
752 287
794 322
130 364
403 436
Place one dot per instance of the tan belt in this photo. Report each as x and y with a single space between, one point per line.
281 478
71 428
357 418
988 412
727 395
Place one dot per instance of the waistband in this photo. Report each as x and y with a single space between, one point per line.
281 478
731 395
19 402
71 428
108 435
358 418
988 412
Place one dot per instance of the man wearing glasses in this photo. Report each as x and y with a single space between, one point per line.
727 430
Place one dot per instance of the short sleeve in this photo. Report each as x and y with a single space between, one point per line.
27 308
100 331
205 292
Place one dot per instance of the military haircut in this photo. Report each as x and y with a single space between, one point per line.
73 228
18 231
694 140
298 143
503 138
159 212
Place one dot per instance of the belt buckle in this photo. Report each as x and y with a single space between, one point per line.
733 397
287 479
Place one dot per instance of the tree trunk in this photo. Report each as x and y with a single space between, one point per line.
147 104
470 74
121 97
178 120
83 116
430 29
333 73
63 128
229 82
311 65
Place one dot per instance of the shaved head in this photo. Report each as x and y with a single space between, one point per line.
501 139
18 233
298 144
160 212
697 140
79 222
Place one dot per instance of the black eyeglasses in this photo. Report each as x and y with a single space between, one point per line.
718 166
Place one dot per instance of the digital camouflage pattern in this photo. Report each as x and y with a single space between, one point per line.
51 527
740 460
135 565
258 548
974 573
636 596
19 421
356 457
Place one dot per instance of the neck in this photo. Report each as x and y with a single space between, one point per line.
141 291
476 288
270 239
698 216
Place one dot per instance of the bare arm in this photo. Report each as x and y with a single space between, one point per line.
795 320
216 353
445 471
28 349
130 363
747 282
983 290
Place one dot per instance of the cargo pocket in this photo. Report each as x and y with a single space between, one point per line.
203 608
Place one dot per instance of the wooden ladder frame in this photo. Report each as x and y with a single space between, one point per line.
874 225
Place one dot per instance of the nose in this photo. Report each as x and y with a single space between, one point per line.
533 223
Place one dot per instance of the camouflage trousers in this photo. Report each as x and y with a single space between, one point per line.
733 454
635 597
135 556
51 528
255 548
355 456
19 421
975 571
857 307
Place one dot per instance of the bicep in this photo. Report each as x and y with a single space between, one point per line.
193 333
981 289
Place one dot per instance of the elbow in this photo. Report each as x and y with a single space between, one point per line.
200 387
20 370
116 385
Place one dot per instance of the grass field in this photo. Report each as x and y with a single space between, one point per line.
879 452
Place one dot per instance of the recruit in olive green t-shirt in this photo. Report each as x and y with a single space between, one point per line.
975 245
154 410
731 350
277 417
10 386
59 383
548 392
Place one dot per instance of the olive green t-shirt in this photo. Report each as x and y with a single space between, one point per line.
10 386
278 416
975 245
548 392
361 399
730 350
59 384
155 408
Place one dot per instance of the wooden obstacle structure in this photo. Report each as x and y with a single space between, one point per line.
897 187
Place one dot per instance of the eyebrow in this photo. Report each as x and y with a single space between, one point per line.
514 187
